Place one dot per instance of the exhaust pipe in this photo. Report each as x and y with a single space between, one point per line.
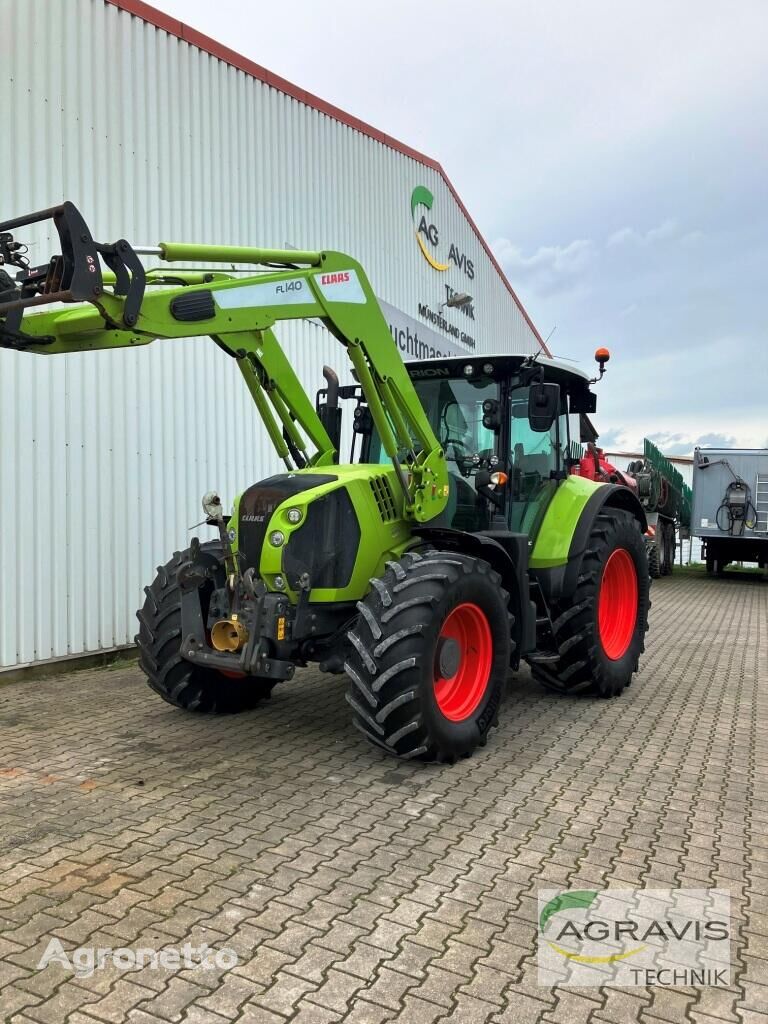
228 635
332 380
329 411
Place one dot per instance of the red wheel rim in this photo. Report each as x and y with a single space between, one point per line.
458 695
617 604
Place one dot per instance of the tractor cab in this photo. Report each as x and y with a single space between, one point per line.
505 424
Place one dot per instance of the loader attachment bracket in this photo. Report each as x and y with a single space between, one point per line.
72 275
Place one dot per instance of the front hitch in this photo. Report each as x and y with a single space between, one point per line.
262 666
263 622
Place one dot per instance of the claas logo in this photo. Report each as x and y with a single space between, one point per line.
428 236
341 277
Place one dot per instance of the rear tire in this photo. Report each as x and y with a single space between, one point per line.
669 548
177 680
662 548
654 564
429 656
600 641
672 547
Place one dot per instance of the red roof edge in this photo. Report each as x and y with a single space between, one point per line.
190 35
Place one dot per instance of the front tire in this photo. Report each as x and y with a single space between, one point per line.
429 656
600 631
175 679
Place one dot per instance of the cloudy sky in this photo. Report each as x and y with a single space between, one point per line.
615 155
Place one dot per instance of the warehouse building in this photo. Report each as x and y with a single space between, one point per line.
158 133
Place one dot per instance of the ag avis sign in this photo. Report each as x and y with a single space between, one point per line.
437 254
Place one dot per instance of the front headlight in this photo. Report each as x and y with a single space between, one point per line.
212 505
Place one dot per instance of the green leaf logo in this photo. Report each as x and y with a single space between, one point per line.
576 899
421 196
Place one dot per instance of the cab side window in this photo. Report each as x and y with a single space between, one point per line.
534 459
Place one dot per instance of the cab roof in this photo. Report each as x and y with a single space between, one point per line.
558 371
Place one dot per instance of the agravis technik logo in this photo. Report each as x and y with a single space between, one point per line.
634 937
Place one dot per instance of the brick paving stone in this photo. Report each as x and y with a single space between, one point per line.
14 1000
174 999
703 1018
753 1017
717 1002
622 1005
336 990
358 889
469 1010
311 1013
364 959
524 1008
124 996
259 1015
573 1006
58 1006
284 993
752 997
421 1010
232 992
197 1015
363 1012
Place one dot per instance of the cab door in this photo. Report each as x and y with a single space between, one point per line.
537 464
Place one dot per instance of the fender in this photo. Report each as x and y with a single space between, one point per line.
562 541
507 553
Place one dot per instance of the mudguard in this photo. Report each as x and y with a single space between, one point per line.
564 533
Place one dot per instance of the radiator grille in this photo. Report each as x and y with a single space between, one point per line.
385 499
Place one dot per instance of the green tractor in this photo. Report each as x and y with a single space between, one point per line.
452 546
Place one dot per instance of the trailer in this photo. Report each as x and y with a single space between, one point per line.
662 492
730 506
666 498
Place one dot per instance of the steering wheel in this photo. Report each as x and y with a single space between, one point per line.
465 462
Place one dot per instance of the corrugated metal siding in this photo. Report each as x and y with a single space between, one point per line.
105 455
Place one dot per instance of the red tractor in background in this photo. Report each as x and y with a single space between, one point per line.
594 466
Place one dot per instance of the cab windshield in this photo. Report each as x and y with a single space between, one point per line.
533 460
454 409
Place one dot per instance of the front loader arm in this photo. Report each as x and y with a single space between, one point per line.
115 310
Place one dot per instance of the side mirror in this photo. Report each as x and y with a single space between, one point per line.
543 406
